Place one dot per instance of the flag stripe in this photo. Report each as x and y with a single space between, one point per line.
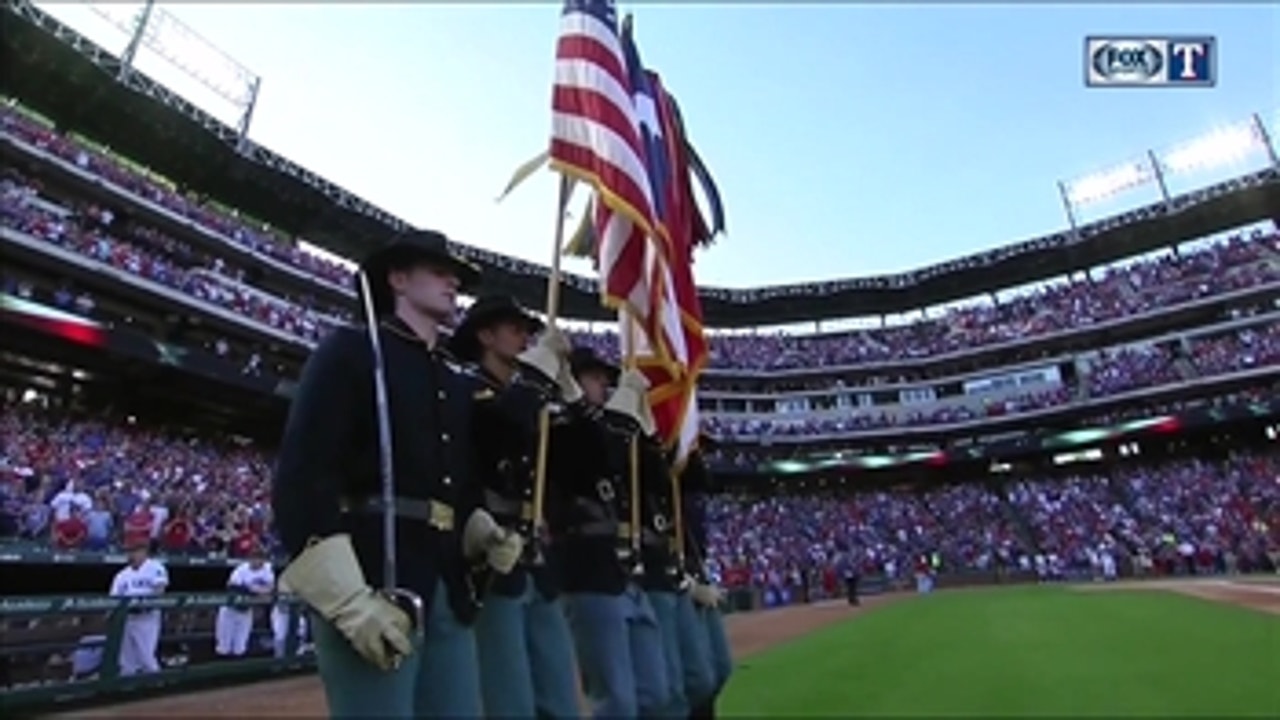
585 66
596 138
594 130
576 136
623 247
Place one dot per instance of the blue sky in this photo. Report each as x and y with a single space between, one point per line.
847 138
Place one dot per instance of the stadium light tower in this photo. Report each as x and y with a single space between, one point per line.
135 39
1159 176
1221 147
159 31
1265 138
1070 210
1227 145
1104 185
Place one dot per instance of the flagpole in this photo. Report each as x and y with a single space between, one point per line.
544 424
678 519
553 282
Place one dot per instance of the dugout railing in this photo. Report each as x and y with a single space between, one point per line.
63 650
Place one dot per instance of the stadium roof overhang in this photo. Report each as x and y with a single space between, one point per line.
76 87
38 360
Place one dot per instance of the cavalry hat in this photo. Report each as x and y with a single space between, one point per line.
406 250
486 312
584 360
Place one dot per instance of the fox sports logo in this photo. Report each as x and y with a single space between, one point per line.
1127 61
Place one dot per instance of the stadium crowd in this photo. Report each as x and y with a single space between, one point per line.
90 483
93 483
1113 372
1238 262
93 231
1176 517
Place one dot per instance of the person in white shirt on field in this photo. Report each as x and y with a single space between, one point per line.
280 625
142 577
234 624
68 499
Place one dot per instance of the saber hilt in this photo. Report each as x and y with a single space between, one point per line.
407 600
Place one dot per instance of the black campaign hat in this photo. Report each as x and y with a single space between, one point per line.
405 250
584 360
486 312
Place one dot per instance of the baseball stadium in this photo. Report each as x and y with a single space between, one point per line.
241 410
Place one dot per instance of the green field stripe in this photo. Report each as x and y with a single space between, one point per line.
1036 651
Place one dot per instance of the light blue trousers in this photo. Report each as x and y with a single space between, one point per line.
619 648
439 680
526 657
694 646
718 645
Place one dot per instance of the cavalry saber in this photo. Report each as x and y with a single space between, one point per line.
386 469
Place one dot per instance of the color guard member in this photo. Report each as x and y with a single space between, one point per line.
374 501
707 629
618 642
526 653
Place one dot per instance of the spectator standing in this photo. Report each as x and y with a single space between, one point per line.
177 534
100 525
36 517
69 532
68 500
137 525
159 518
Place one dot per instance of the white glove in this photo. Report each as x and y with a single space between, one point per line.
505 553
570 390
634 380
555 341
484 536
631 399
708 596
549 356
328 577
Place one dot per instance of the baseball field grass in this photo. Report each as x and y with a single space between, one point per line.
1040 651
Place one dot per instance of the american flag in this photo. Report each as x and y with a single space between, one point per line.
595 138
616 128
677 348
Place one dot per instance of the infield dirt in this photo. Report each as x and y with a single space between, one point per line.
749 633
1256 594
